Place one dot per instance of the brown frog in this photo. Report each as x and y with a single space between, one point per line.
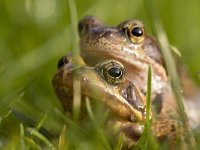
107 83
128 43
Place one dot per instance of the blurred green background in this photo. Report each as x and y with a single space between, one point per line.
34 34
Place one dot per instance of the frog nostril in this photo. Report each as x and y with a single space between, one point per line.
62 61
81 27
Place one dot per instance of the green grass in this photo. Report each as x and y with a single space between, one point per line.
144 139
171 69
35 34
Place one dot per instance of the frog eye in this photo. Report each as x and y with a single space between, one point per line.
113 72
135 33
62 61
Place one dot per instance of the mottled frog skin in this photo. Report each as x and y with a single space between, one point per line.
107 83
115 65
99 42
129 44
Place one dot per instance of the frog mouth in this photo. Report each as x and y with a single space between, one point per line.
114 101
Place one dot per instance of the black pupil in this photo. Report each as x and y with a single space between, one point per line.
137 31
115 72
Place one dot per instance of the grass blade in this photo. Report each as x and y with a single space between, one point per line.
23 146
119 143
40 123
100 133
32 123
142 144
76 52
40 136
175 50
62 141
32 143
170 64
6 102
5 113
70 122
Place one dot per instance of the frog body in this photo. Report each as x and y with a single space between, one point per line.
107 83
128 46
